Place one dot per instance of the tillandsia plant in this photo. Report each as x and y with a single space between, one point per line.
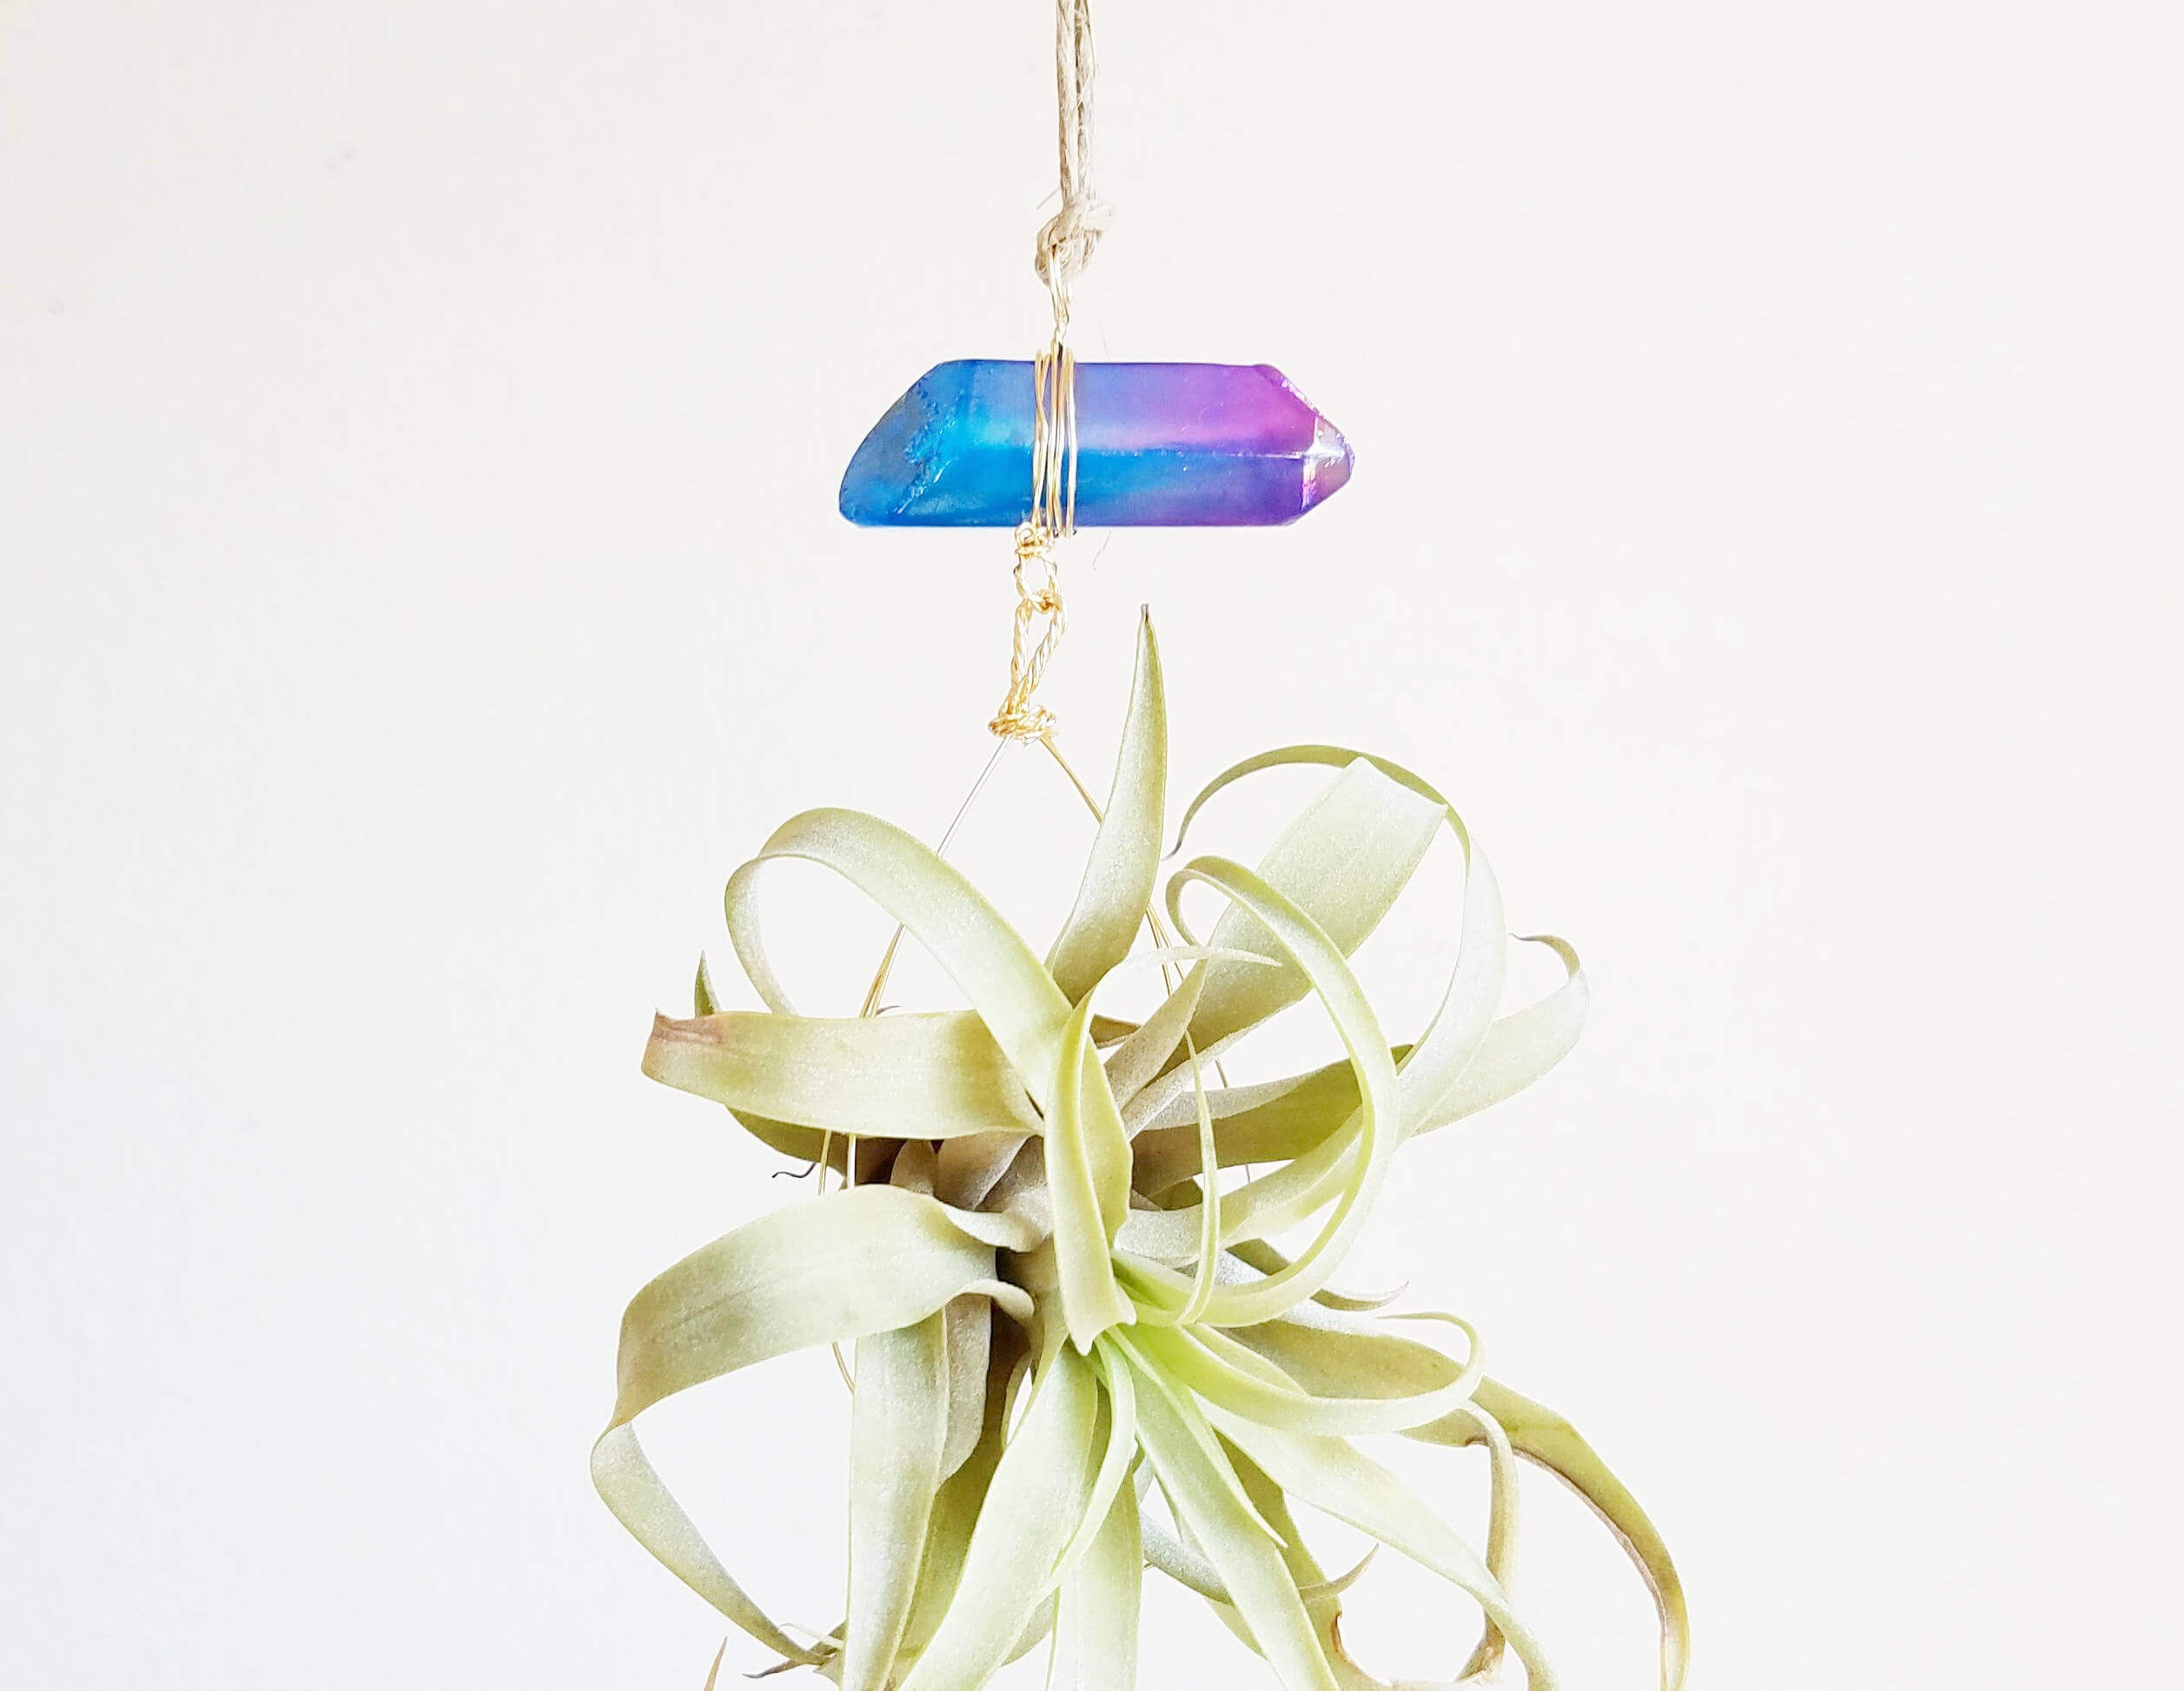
1057 1303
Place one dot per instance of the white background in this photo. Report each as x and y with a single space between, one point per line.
419 432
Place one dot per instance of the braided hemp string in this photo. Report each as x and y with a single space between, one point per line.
1064 248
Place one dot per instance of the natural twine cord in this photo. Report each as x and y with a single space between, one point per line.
1066 243
1064 248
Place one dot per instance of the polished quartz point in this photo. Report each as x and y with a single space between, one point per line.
1173 445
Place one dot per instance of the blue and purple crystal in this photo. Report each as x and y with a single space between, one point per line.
1159 445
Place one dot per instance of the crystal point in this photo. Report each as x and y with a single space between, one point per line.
1175 445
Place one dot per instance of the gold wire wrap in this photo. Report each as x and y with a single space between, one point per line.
1053 439
1054 503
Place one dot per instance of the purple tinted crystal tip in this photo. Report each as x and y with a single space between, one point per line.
1173 445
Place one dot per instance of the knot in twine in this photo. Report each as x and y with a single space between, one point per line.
1066 243
1065 247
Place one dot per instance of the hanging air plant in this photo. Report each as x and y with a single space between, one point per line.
1058 1305
1060 1297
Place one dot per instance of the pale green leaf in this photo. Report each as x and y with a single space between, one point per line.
1332 1353
966 1170
1005 981
1545 1437
898 1428
1186 1566
914 1167
1227 1375
1269 1122
1366 1143
1461 1066
1140 1055
860 1263
1331 1474
1144 1053
1208 1503
1189 1568
1124 1348
970 1345
1278 757
1029 1514
626 1481
1519 1049
1037 1629
1261 1257
955 1511
1210 1218
1167 1097
1451 1039
1320 1596
813 1144
1125 857
930 1075
855 1263
1343 862
1275 1120
1119 1406
1173 1105
1501 1524
1096 1621
1272 1203
1137 1069
1337 1355
1365 1146
1088 1167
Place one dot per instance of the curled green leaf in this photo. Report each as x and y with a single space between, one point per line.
1545 1437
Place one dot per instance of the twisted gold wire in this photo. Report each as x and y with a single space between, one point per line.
1053 518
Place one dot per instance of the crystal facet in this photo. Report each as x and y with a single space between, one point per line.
1159 445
